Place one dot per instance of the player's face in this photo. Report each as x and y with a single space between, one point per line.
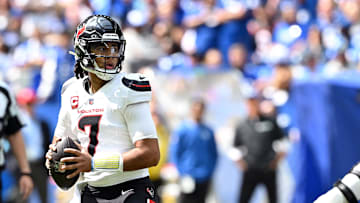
107 54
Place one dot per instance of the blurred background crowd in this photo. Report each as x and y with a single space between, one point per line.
296 55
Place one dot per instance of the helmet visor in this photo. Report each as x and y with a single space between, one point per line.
107 55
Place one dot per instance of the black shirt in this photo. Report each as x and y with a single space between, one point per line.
9 120
257 136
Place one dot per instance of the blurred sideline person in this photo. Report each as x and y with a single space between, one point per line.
254 138
108 112
36 135
193 152
10 128
346 190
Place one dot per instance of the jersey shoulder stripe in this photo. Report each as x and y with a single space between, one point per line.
138 83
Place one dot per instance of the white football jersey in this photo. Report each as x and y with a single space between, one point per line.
102 121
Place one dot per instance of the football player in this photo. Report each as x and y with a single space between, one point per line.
108 112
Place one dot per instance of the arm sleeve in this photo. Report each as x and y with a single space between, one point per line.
139 121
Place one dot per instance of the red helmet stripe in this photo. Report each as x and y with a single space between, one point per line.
80 32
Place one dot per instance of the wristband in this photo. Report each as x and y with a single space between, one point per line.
25 174
107 162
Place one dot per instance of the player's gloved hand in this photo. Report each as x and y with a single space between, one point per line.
81 161
48 155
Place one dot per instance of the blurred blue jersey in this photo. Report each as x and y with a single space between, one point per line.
193 150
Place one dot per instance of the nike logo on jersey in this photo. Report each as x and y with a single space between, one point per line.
126 191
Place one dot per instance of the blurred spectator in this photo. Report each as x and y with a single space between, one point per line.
192 139
201 26
213 60
142 42
5 58
254 139
117 9
238 60
169 11
287 30
279 93
29 56
36 136
233 17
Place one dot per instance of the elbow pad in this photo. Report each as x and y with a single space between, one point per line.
107 162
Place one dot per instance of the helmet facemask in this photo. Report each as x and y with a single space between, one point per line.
103 58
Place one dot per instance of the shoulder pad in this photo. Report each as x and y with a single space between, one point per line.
67 84
136 82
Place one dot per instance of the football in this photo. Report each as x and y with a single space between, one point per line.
56 173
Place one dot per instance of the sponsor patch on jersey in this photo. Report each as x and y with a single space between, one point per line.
74 101
137 85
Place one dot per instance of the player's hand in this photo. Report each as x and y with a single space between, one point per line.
82 161
26 186
48 155
275 162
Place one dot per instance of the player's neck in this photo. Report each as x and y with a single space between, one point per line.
95 83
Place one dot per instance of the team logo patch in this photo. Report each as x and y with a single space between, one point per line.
150 191
74 101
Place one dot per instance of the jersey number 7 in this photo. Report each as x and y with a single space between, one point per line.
93 122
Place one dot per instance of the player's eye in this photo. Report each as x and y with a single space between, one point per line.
100 49
114 49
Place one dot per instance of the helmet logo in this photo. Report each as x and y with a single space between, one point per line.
80 32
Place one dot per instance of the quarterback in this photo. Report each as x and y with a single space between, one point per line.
108 113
